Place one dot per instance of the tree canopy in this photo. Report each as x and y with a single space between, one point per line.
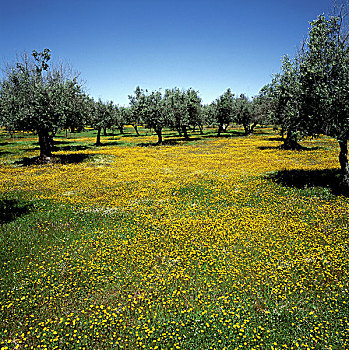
40 98
311 92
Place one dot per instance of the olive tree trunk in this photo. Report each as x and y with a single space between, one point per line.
45 144
220 130
159 133
343 161
185 133
291 141
98 140
136 129
201 128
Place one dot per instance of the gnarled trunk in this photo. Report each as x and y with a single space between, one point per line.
136 129
343 161
159 133
98 141
290 142
45 144
184 129
247 129
201 128
220 129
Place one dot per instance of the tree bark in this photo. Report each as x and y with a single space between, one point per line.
343 161
159 133
98 141
121 130
247 129
220 129
184 129
105 132
290 142
136 129
201 129
45 145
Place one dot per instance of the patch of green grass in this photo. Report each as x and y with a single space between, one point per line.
255 261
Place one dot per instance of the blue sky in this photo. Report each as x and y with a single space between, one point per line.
117 45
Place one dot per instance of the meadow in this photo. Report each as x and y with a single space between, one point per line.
212 243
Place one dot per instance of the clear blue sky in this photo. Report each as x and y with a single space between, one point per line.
117 45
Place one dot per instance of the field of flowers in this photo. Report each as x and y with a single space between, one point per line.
215 243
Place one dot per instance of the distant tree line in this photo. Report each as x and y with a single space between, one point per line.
45 99
309 97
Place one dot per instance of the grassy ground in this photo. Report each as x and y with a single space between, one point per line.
208 244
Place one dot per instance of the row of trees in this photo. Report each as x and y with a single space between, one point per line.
44 99
310 96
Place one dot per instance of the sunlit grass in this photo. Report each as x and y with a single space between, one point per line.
190 245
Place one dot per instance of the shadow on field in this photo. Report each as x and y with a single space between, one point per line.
168 142
71 148
275 139
57 159
227 134
10 209
3 153
129 134
110 143
327 178
280 147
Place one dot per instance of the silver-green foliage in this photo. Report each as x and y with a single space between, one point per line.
39 98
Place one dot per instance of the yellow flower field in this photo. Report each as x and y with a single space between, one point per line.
196 245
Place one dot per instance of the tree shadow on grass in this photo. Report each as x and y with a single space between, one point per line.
10 209
111 143
57 159
3 153
300 148
71 148
127 134
275 139
168 142
298 178
228 134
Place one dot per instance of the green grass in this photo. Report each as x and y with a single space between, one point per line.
108 274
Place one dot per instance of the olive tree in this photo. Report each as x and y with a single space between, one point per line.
246 113
312 89
285 91
136 109
324 77
224 110
152 109
155 114
101 117
39 98
194 109
176 106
